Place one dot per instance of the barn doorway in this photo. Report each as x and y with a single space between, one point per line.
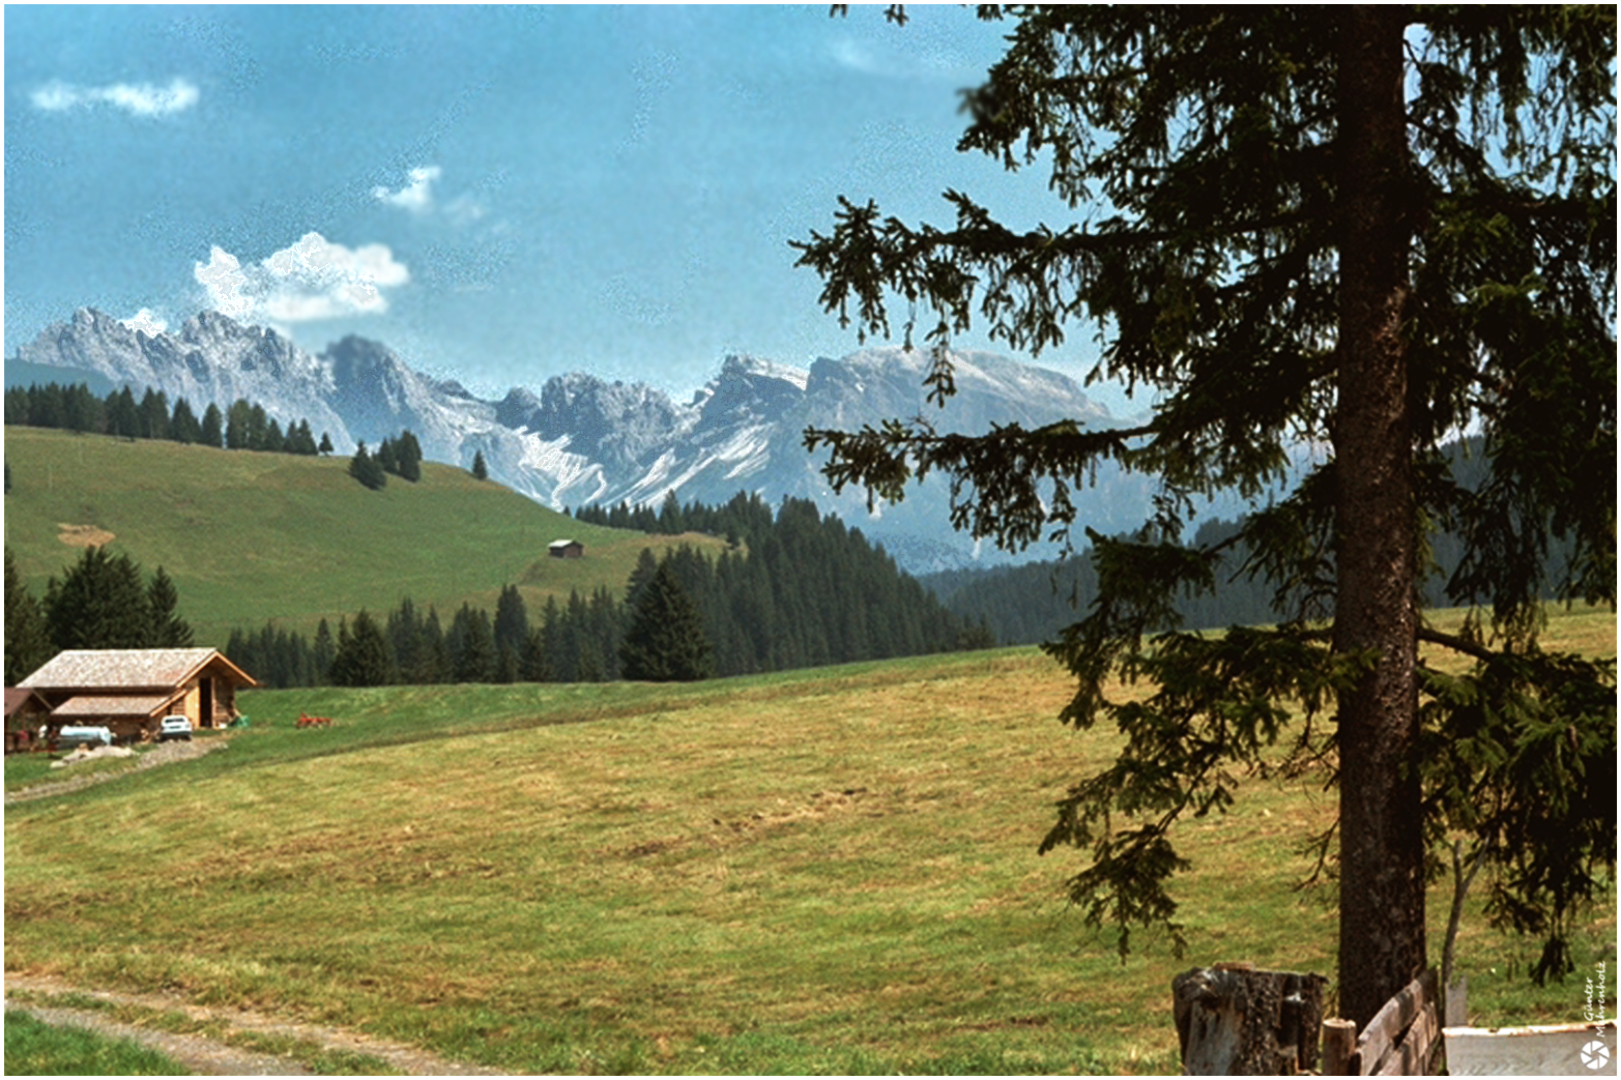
206 702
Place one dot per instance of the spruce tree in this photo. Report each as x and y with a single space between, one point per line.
473 654
365 468
213 427
184 427
534 663
27 638
511 626
259 426
239 425
404 631
1368 229
123 415
410 457
363 657
388 458
169 630
666 640
153 415
322 653
100 603
300 440
647 565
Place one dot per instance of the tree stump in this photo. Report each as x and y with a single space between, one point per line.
1234 1021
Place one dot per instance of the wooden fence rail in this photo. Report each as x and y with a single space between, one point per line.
1401 1040
1233 1020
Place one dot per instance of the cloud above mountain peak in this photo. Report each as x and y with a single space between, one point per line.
310 280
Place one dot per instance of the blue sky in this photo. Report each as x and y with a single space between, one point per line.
500 194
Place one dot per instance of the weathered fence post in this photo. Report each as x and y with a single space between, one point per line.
1232 1020
1340 1057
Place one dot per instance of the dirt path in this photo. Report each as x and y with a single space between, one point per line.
214 1057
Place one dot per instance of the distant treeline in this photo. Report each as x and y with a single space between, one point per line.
796 589
1030 604
243 426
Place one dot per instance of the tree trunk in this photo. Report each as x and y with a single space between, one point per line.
1381 841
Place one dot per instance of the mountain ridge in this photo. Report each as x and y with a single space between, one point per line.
581 439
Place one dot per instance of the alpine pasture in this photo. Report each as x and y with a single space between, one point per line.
829 871
253 537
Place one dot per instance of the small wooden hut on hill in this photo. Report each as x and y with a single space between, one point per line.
566 549
130 690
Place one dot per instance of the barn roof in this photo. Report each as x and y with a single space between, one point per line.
17 697
91 705
127 669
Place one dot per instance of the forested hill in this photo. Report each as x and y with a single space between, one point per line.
791 589
797 588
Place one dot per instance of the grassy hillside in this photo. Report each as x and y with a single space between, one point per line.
810 872
249 537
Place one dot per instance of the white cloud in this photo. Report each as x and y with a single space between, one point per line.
416 196
142 99
146 321
312 279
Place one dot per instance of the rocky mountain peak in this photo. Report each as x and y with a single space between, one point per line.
751 388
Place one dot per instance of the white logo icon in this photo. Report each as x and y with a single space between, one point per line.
1596 1055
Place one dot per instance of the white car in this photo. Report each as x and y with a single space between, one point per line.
174 727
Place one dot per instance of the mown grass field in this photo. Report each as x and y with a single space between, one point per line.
815 872
250 537
35 1048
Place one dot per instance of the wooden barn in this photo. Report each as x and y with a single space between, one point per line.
130 690
25 712
566 549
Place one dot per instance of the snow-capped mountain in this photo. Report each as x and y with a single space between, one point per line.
210 359
584 440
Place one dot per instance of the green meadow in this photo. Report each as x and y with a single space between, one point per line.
828 871
250 537
35 1048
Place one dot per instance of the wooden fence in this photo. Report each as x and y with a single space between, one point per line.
1232 1020
1401 1040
